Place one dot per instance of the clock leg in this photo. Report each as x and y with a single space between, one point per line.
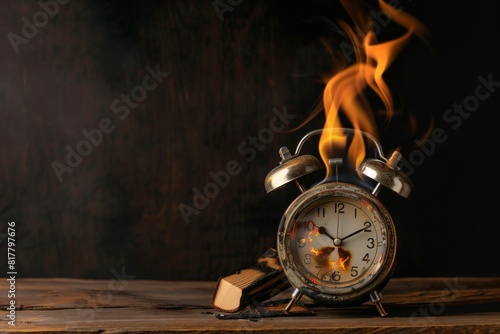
376 298
296 295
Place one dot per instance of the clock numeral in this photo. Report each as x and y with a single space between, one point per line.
354 271
307 258
371 243
321 212
367 226
366 258
339 207
309 225
336 276
355 213
318 267
301 242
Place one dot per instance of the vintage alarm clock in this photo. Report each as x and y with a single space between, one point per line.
336 241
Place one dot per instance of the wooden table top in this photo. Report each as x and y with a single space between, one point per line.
427 305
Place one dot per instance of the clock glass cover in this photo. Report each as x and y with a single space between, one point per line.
337 243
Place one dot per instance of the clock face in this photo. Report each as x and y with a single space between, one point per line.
337 243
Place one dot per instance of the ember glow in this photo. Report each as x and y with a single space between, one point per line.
345 91
322 257
323 253
340 264
314 231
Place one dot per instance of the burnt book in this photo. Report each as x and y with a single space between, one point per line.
254 283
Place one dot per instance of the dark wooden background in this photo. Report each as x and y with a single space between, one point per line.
118 209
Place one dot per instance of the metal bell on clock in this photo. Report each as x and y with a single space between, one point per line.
387 174
291 169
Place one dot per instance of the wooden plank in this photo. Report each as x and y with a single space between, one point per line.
433 305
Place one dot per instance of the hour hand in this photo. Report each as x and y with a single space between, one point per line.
336 241
322 230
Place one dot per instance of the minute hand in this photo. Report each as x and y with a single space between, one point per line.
354 233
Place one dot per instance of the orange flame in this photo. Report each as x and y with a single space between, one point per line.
315 252
323 255
315 232
340 264
345 91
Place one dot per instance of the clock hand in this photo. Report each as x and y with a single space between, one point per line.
354 233
338 219
322 230
336 241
